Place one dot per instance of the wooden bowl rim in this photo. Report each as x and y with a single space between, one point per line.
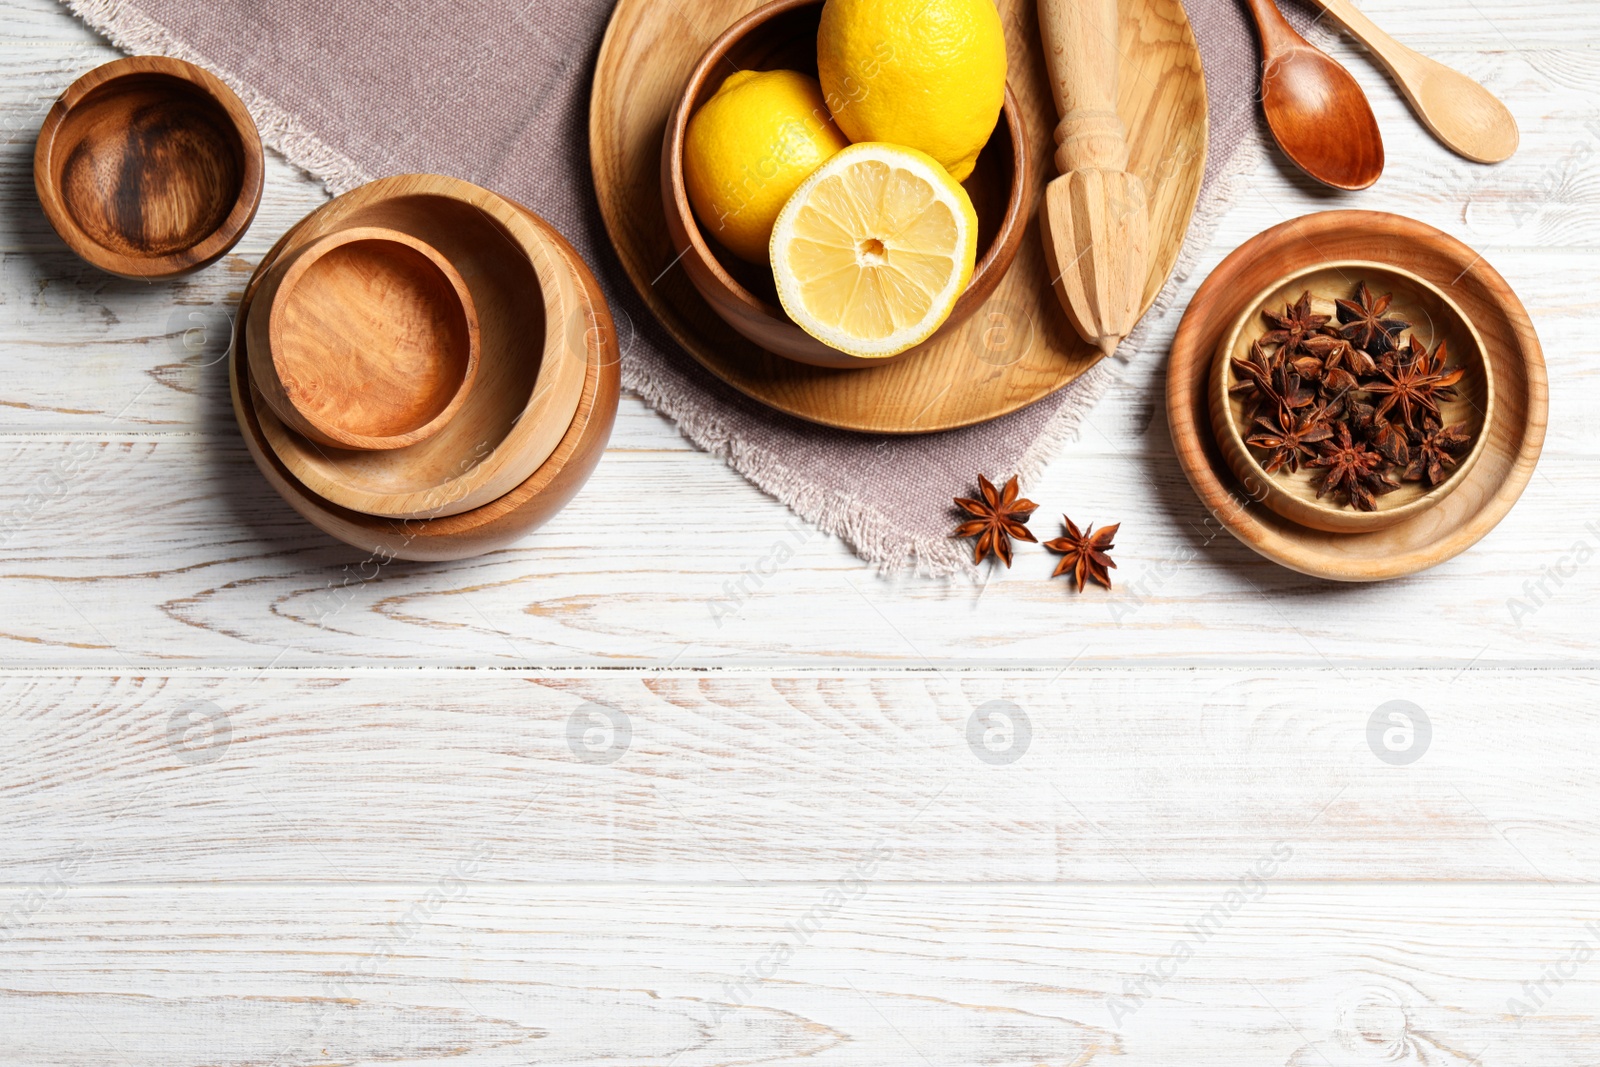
550 390
603 361
1295 547
1273 494
294 268
1001 247
203 252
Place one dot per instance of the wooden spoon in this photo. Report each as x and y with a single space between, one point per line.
1317 111
1466 117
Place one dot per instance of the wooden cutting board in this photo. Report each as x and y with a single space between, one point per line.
1019 347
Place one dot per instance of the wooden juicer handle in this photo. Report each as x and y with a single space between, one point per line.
1080 47
1094 220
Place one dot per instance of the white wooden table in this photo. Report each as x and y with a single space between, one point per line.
554 806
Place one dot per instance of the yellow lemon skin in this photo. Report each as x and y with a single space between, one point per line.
927 74
748 149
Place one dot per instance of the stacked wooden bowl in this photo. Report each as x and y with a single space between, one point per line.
424 369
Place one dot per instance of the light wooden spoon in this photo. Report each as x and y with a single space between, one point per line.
1315 108
1464 115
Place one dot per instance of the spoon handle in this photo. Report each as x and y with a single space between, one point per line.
1277 36
1462 114
1080 47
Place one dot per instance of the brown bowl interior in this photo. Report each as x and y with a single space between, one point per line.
482 529
1434 318
787 40
148 165
374 339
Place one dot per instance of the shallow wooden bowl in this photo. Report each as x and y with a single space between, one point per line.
148 167
366 339
532 320
1435 318
783 36
491 526
1516 362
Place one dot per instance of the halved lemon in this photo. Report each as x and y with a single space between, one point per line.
872 251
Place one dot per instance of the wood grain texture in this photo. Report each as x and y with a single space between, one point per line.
148 167
1435 320
1515 436
1464 115
206 919
1316 110
365 339
782 36
1094 220
575 327
538 335
846 972
1019 349
380 776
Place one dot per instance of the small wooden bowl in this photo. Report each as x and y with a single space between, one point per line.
148 167
366 338
491 526
1435 318
532 320
782 36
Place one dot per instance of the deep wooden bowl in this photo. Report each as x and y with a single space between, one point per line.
366 338
532 317
501 521
783 35
148 167
1435 318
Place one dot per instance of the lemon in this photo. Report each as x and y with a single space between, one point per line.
928 74
872 251
748 148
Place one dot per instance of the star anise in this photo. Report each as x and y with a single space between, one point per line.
1390 443
1363 323
1295 324
1350 468
1437 451
1268 382
997 518
1414 381
1083 553
1335 351
1353 398
1288 437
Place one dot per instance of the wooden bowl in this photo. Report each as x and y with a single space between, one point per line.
1435 319
532 321
783 35
1516 361
366 339
148 167
491 526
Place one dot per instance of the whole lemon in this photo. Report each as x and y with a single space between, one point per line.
748 149
927 74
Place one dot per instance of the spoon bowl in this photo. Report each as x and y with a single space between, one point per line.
1317 111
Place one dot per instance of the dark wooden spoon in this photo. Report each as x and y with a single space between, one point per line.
1316 109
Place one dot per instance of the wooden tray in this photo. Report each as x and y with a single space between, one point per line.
1515 434
493 525
1019 347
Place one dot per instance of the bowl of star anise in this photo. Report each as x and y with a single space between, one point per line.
1351 396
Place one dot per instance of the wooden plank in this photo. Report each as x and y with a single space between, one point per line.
595 777
848 971
203 563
